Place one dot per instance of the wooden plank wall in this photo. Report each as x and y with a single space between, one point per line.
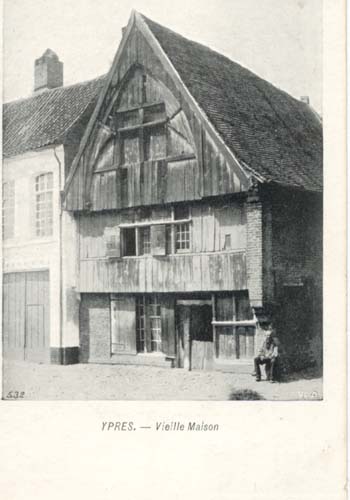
174 273
208 267
209 174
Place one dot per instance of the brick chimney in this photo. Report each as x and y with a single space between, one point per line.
48 71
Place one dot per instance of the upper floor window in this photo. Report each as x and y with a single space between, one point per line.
44 204
8 209
183 237
144 240
183 229
158 237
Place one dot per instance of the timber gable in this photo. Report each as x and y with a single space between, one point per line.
148 142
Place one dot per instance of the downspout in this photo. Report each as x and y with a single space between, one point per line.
60 359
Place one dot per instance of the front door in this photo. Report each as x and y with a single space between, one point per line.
194 336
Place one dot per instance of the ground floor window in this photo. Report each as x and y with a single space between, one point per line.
234 327
148 324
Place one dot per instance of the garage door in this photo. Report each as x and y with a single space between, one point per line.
26 333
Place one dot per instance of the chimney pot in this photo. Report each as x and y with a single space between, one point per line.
48 71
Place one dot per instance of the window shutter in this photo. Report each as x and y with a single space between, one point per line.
123 325
112 238
158 239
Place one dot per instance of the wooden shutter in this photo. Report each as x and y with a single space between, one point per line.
123 325
168 326
112 239
158 239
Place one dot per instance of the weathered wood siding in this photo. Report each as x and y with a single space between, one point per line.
208 266
210 172
174 273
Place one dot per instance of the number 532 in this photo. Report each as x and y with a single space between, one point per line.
15 395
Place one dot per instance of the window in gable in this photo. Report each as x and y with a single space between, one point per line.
142 133
154 143
130 147
154 113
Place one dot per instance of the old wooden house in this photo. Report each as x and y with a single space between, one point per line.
192 212
197 196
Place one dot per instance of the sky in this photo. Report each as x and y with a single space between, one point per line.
280 40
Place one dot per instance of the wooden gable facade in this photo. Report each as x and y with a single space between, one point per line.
161 218
174 237
148 142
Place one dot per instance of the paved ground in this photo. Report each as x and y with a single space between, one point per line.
118 382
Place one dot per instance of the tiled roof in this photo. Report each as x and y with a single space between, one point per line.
277 136
44 118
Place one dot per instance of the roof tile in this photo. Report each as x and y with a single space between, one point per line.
277 136
44 118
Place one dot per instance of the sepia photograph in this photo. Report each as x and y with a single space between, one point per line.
162 201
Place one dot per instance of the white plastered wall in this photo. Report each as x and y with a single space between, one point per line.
27 252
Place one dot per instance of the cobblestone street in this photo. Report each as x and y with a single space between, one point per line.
118 382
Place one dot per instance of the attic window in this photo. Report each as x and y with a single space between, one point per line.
130 147
154 143
142 134
154 113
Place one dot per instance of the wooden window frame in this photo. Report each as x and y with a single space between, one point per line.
139 131
234 323
146 335
140 240
172 223
44 209
183 237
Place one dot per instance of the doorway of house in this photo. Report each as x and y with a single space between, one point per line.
194 335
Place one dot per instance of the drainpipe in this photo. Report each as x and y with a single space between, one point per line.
60 360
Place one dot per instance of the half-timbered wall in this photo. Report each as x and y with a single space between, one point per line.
212 259
148 145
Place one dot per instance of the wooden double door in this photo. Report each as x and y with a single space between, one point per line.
26 322
194 336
